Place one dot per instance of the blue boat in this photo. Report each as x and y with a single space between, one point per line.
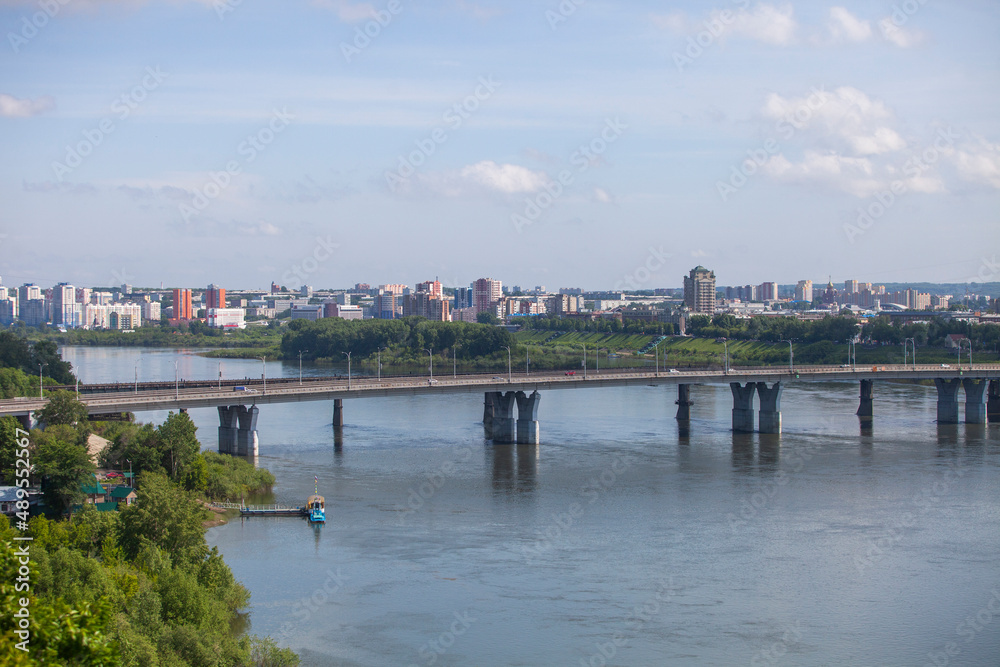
316 508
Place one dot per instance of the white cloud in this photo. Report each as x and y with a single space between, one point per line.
12 107
347 11
505 178
904 38
844 26
979 163
482 178
602 196
846 118
766 23
861 177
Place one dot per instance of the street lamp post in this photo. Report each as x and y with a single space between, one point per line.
597 367
454 361
908 344
136 369
526 361
584 361
348 355
263 367
131 479
430 354
852 354
176 385
960 344
220 376
40 366
378 356
510 375
300 368
726 343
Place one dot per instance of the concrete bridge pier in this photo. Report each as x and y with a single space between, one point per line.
338 412
684 402
527 418
247 443
27 421
947 405
866 410
743 406
490 401
770 407
993 402
228 426
504 424
975 400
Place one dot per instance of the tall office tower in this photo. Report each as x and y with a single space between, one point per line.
699 290
66 312
486 292
215 297
851 286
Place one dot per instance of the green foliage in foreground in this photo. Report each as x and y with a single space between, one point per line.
138 588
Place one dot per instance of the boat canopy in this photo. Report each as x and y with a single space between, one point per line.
314 500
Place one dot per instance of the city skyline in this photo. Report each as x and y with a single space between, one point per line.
775 140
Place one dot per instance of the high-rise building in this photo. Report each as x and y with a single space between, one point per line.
215 297
182 305
486 292
66 312
804 291
27 292
768 292
432 287
462 298
422 304
699 291
384 306
33 312
851 286
395 289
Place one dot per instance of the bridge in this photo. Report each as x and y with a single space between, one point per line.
238 403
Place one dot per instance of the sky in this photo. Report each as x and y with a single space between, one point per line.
567 144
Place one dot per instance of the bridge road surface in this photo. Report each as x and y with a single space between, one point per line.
325 389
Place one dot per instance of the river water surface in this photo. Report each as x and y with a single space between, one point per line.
619 540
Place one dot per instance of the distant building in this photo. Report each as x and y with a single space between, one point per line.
851 286
699 291
804 291
66 311
394 289
463 315
33 312
309 312
226 318
182 305
422 304
384 306
432 287
151 311
28 291
462 298
112 316
768 292
486 292
333 309
215 297
573 291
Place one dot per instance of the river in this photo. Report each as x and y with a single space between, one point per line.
618 540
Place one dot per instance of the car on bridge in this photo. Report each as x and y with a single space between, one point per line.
247 390
570 372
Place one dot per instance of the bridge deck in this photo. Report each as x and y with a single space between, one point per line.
326 390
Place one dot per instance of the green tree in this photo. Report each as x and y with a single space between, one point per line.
62 408
64 465
8 448
178 442
47 352
487 318
166 517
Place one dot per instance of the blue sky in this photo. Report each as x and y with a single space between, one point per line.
536 142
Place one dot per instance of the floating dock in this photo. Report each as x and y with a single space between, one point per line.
263 510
